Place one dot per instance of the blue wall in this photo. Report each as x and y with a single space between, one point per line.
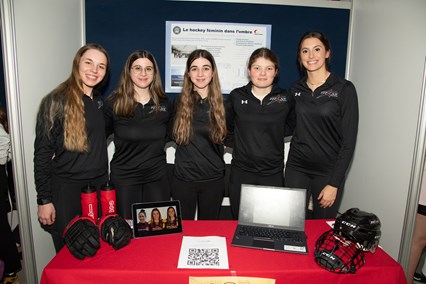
125 26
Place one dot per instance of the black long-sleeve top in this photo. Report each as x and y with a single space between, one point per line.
51 158
327 124
256 129
200 159
139 141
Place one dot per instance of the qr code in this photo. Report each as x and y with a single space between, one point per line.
203 257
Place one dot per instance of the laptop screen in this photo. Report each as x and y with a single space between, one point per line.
272 206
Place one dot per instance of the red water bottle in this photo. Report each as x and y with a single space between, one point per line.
89 202
108 199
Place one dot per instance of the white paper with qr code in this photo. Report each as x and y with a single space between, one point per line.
203 253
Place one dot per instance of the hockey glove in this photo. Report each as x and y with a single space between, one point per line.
82 237
115 230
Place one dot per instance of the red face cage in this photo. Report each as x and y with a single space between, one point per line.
337 254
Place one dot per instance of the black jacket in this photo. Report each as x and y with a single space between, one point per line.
200 159
256 129
139 141
50 156
327 124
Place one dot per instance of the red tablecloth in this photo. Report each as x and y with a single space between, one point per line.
154 260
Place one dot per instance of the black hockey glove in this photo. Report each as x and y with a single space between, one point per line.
115 231
82 237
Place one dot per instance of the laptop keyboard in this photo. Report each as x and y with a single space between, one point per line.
271 233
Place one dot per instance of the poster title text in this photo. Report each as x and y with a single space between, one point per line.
226 31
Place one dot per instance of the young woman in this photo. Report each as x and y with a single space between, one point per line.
142 224
137 113
172 220
327 123
257 121
156 223
70 146
199 130
8 250
419 238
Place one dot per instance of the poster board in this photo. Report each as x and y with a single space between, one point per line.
125 26
229 43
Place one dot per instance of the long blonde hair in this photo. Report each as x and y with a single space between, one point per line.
124 104
182 128
65 105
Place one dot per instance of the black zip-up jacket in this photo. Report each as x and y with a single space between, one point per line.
50 156
139 141
200 159
256 129
327 124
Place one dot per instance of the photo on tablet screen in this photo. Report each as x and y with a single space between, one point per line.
156 218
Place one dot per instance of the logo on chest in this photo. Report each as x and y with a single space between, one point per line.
328 93
277 100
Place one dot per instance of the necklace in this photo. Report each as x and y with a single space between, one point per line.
317 84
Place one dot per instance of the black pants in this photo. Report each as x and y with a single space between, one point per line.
11 185
158 190
239 176
314 184
4 192
66 199
8 251
208 195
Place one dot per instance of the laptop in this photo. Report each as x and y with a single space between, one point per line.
272 218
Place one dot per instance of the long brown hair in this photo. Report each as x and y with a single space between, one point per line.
124 104
182 128
3 119
65 105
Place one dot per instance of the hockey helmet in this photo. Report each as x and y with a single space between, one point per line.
337 254
361 227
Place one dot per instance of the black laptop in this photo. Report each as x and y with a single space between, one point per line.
272 218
